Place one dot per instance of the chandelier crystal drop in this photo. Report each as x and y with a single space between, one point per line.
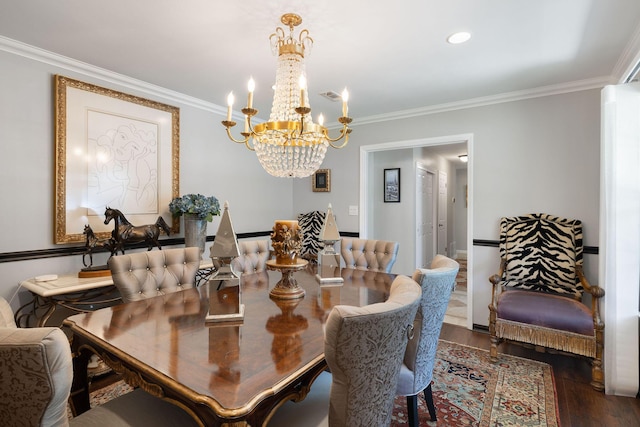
290 144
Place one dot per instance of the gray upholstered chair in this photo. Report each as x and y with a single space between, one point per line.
144 275
253 258
36 373
364 254
416 373
538 291
363 349
359 341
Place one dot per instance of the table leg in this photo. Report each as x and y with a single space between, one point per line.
79 398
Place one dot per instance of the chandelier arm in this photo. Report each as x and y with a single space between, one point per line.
344 133
239 141
253 131
346 140
249 146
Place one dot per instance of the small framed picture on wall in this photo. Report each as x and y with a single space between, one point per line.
321 180
392 185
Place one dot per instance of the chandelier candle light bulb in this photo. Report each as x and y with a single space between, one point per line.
230 100
345 100
251 86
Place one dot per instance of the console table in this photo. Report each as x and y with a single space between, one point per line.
79 295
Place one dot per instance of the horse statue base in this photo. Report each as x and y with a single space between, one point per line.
94 271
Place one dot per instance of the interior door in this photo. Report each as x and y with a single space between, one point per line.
442 213
425 236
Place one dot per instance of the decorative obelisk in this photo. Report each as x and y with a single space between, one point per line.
328 258
225 302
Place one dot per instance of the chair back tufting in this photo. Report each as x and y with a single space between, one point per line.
144 275
364 254
253 258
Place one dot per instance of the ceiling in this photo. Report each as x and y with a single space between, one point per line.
392 56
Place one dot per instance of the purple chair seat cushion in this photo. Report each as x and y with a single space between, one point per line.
545 310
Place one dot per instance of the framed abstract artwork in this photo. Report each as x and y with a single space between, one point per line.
392 185
112 150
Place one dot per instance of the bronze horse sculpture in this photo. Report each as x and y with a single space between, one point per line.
92 243
124 232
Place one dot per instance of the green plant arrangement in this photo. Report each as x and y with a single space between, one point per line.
197 204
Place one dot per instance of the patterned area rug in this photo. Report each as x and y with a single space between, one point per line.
107 393
468 390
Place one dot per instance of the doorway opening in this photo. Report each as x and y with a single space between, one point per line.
371 205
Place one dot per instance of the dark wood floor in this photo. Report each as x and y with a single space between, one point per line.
579 405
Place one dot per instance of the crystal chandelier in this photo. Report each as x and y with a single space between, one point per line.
290 144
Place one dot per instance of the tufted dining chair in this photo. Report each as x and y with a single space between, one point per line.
363 349
253 258
144 275
416 373
365 254
36 373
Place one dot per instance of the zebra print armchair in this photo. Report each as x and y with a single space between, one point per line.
537 295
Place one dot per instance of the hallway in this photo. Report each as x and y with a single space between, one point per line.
456 313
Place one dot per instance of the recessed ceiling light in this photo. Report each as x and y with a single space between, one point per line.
457 38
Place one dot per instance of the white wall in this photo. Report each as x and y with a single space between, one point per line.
210 163
395 221
535 155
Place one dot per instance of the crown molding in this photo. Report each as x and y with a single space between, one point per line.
628 64
79 67
558 89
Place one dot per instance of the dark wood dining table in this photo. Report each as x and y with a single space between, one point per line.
223 373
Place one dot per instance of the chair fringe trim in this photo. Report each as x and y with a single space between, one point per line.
547 337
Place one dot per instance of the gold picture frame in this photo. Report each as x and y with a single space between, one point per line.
112 149
321 180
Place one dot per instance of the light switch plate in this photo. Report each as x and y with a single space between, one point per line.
353 210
